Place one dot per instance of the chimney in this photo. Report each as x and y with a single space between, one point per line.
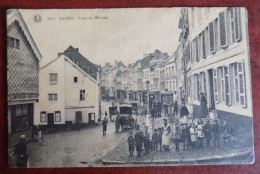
59 54
77 49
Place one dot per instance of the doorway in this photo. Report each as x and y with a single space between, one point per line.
211 90
50 119
91 118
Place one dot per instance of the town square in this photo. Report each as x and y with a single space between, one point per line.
129 87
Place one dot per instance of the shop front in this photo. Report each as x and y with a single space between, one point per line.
21 117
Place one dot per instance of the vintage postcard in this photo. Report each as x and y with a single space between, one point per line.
129 87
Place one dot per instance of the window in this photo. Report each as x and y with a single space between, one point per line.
53 97
173 70
212 38
82 95
196 87
12 42
57 116
203 44
235 24
203 85
75 79
239 84
215 81
227 85
206 41
222 29
199 47
43 117
221 84
53 78
194 50
216 35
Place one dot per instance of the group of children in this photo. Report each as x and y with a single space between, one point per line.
142 139
192 133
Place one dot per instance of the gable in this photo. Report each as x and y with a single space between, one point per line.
14 16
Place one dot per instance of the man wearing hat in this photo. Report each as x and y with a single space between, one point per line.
138 142
21 152
131 143
146 140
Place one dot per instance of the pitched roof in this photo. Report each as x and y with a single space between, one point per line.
87 66
14 16
72 63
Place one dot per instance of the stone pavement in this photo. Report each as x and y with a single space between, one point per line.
72 148
238 151
208 155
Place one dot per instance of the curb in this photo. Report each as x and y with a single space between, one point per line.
176 161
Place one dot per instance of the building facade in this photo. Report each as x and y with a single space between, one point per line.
23 59
218 65
69 88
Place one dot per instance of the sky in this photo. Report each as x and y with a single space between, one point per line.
104 35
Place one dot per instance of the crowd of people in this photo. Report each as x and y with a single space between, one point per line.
184 129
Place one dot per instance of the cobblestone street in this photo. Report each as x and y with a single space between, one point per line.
206 155
74 148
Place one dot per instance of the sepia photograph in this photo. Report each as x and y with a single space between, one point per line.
121 87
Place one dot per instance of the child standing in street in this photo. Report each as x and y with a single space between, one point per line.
200 133
155 139
131 143
216 133
193 135
160 138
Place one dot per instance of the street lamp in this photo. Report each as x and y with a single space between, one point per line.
147 87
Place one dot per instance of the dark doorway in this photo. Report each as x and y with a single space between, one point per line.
78 117
211 89
50 119
91 118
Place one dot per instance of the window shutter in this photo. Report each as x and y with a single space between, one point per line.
227 86
219 82
223 30
188 53
238 24
205 84
195 86
196 49
211 38
215 85
203 45
223 96
207 41
191 52
236 84
241 78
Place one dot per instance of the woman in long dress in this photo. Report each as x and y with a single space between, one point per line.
203 106
166 135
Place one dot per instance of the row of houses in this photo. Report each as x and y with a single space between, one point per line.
64 90
212 58
154 74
